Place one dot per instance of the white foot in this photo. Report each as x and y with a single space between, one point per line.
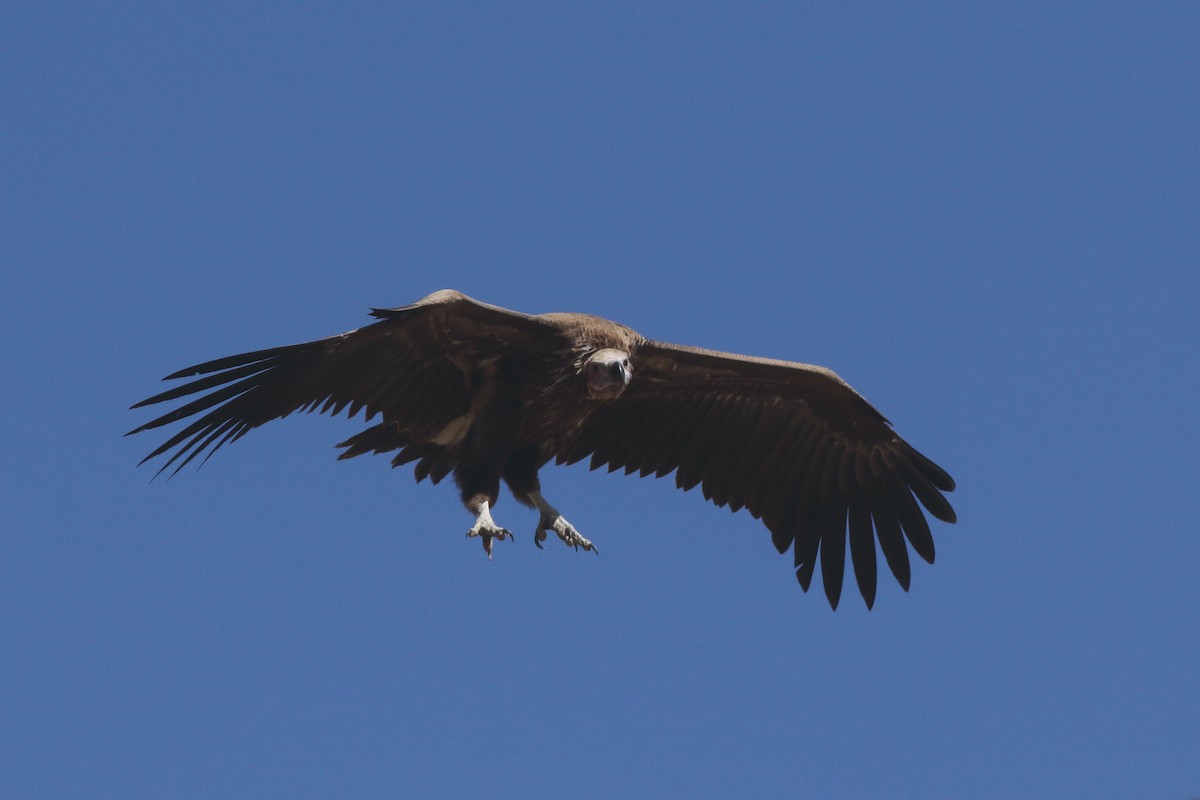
487 529
551 520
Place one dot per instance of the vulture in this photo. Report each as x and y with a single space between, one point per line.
485 394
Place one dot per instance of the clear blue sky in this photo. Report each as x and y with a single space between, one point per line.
985 218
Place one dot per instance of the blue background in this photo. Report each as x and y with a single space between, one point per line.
984 217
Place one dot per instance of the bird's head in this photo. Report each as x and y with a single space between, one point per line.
607 373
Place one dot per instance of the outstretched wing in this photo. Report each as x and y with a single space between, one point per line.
791 443
415 367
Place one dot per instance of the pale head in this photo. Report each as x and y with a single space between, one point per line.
607 373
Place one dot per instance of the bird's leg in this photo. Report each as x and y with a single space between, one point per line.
485 527
551 520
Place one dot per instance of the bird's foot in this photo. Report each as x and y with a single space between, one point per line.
486 529
554 521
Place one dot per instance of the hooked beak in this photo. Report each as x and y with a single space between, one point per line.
608 373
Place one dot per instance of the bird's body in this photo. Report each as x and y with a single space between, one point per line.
488 394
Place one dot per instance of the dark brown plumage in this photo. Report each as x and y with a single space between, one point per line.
486 394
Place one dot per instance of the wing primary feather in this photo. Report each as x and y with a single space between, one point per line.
199 426
935 474
806 542
231 430
916 529
271 353
891 540
204 402
806 565
929 496
806 514
862 551
833 551
195 445
204 383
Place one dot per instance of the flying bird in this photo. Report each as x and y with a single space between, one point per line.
485 394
